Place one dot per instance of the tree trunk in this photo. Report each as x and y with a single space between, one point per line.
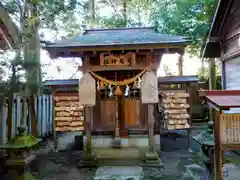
33 115
92 17
33 66
125 13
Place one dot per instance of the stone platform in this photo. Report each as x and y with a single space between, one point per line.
119 173
126 156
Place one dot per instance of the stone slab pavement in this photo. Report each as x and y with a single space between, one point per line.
51 165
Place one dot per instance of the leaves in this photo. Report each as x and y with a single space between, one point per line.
188 18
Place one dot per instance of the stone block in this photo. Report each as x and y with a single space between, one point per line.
119 173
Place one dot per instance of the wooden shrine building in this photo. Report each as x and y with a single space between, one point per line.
117 59
222 42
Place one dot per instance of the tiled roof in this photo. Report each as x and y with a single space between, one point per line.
178 79
120 36
59 82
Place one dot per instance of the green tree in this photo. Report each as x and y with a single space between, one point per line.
190 18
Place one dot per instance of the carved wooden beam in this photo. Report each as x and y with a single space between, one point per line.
115 68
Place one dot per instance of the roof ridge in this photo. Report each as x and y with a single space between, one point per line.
121 28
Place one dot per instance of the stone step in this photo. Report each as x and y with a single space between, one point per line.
119 162
119 173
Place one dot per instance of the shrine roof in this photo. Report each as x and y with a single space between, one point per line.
222 99
61 82
178 79
120 36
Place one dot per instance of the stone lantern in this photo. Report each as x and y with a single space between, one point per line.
19 154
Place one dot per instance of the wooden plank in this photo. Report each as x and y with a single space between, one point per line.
40 115
18 110
218 150
48 114
130 112
53 121
44 118
51 112
4 124
108 114
14 124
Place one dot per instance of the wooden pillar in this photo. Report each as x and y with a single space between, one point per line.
89 158
54 133
212 74
88 129
151 120
218 151
212 82
180 65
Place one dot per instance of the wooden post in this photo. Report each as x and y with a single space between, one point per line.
89 158
151 119
180 65
212 82
218 151
88 129
54 133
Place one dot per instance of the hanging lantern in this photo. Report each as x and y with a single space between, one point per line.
118 91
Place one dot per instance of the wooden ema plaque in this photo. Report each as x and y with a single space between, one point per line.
176 106
69 116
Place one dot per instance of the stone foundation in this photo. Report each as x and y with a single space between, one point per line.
131 141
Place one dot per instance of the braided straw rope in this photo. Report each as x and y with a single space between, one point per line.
120 83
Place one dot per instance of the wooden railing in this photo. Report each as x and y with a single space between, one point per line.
230 128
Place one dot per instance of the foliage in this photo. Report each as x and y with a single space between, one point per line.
203 74
188 18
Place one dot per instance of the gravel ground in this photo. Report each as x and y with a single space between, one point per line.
52 165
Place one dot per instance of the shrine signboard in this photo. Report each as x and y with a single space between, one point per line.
107 59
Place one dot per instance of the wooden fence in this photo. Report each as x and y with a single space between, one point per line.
20 112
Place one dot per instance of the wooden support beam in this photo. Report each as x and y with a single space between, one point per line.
180 65
88 129
218 151
114 68
151 119
54 133
6 39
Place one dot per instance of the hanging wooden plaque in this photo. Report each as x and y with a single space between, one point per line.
69 115
107 59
